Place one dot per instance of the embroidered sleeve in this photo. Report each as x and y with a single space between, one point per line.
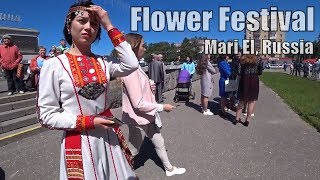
116 36
85 123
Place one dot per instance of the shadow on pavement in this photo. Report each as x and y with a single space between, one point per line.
146 152
214 107
197 107
217 100
215 104
2 174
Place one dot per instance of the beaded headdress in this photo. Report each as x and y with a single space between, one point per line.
75 10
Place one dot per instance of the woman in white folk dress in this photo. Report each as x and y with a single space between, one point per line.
72 97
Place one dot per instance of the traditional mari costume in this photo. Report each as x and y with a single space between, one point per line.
72 91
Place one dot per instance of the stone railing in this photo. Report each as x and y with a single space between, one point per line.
170 82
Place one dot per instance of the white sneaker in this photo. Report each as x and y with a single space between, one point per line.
207 113
10 93
21 92
245 114
175 171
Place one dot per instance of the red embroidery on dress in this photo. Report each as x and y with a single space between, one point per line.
74 66
73 138
73 143
82 74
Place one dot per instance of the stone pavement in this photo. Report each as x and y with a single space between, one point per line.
276 145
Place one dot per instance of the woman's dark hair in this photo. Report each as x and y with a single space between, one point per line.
68 36
222 57
134 40
190 59
202 65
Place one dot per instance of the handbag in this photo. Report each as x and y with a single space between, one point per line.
158 122
231 85
20 70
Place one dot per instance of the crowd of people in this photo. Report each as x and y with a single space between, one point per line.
238 85
308 69
11 65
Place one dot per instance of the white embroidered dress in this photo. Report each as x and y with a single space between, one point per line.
101 154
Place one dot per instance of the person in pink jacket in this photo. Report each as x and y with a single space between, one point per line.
140 109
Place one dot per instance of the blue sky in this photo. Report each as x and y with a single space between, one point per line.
48 18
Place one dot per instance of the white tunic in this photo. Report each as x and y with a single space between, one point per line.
55 87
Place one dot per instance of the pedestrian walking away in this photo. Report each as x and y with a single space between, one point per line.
141 111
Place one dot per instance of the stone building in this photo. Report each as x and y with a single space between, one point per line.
273 36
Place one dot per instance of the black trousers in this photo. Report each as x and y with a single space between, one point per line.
14 83
158 94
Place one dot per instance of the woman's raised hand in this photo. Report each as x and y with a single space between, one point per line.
102 15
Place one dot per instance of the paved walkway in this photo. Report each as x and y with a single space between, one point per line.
276 145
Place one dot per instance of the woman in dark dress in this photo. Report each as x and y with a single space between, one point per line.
248 91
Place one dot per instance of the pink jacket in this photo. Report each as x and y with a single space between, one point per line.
138 101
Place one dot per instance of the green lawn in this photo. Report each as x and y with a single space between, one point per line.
302 95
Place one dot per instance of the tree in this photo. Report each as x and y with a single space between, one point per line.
196 43
188 48
316 49
168 50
